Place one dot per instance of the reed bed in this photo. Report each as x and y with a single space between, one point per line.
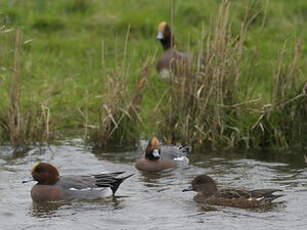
211 108
119 114
60 84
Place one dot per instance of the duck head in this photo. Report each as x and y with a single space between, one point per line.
44 174
202 184
152 151
165 35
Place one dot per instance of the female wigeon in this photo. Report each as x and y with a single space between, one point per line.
171 60
51 186
159 157
207 192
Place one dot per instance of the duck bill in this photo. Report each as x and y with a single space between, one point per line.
160 36
188 189
27 180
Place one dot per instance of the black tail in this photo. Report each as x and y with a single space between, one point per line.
266 193
117 182
272 197
109 180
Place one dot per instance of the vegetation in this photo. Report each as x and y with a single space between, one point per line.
87 67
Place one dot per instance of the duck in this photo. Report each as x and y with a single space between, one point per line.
171 60
159 157
53 187
208 193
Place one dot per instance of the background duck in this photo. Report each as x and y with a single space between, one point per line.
171 59
51 186
159 157
207 192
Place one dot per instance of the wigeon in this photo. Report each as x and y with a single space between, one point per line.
158 157
171 60
51 186
207 192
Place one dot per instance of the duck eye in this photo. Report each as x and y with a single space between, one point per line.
39 169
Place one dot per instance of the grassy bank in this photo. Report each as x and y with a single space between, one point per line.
78 66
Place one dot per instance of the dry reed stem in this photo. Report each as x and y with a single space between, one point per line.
23 125
14 96
119 115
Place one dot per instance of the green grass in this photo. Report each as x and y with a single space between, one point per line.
70 45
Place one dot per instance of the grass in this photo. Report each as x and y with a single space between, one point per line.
71 50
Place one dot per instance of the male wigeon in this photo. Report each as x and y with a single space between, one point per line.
171 60
51 186
159 157
208 193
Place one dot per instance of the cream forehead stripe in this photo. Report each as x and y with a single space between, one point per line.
154 141
32 170
162 26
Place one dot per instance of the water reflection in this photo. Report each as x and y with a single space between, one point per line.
155 179
275 206
52 209
46 210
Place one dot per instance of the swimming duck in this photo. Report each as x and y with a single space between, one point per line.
208 193
51 186
159 157
171 59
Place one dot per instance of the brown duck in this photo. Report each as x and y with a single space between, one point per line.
159 157
171 60
207 192
51 186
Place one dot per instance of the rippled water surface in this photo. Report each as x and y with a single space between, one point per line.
154 201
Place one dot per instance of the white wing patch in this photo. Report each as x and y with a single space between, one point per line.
182 159
85 189
257 199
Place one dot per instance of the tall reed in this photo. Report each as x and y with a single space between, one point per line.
119 113
21 122
14 97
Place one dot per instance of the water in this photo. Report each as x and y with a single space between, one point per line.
153 201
